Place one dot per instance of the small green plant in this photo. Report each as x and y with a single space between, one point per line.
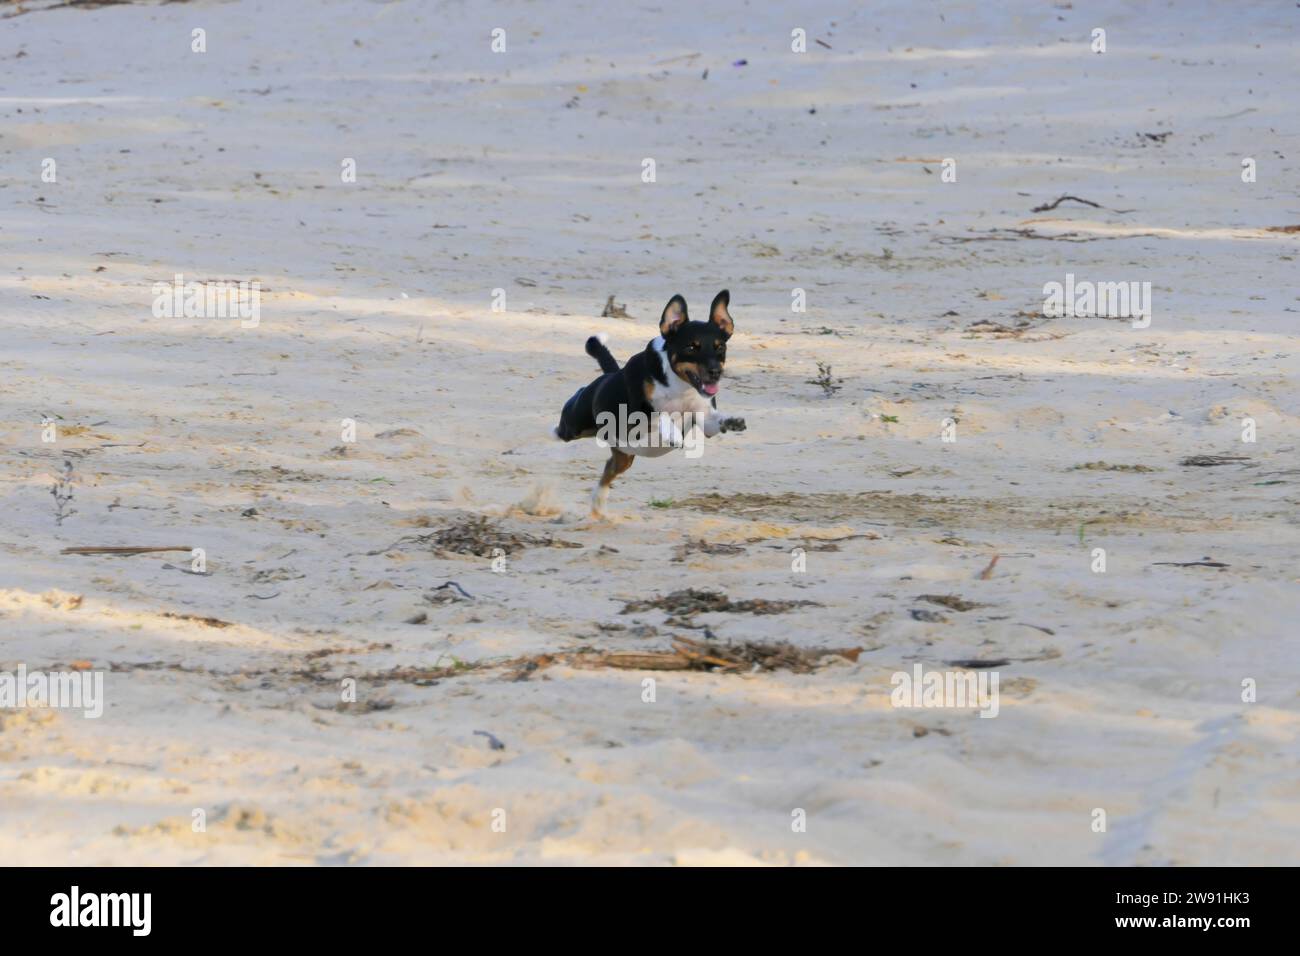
829 384
456 664
893 419
661 502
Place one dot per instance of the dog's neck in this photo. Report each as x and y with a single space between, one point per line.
659 368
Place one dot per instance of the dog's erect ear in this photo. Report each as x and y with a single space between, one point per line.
719 315
674 315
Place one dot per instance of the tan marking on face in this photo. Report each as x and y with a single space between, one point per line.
683 368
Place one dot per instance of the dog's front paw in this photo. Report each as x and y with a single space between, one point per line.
733 425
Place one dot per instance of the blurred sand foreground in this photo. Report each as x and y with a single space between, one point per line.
1120 690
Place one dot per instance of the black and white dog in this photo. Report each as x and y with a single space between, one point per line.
653 404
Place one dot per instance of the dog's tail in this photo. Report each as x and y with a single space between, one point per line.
597 350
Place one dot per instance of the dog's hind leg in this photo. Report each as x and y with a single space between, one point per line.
618 463
574 419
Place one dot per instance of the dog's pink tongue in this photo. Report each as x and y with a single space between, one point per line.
710 389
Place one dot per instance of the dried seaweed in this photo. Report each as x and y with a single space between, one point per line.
693 655
1104 466
480 536
1210 461
691 601
704 547
953 601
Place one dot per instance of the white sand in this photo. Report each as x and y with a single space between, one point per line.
475 174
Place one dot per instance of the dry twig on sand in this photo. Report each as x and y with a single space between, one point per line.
1052 205
121 551
614 310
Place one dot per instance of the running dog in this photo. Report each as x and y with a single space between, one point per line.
652 404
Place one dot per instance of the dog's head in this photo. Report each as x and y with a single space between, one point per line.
697 350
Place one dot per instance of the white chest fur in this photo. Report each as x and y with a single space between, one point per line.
678 395
671 403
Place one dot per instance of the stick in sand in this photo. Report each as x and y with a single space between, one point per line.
124 551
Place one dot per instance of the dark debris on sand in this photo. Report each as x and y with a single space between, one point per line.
692 655
480 536
682 551
954 601
690 601
1211 461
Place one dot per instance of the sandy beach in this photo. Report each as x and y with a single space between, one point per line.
406 641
